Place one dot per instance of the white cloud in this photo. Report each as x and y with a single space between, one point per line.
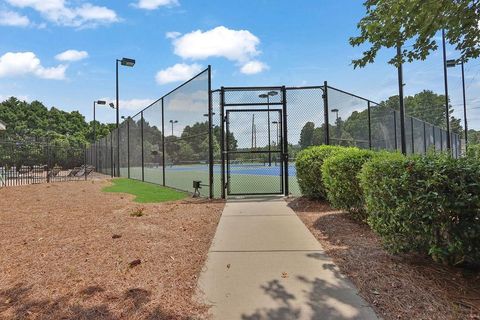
13 19
135 104
235 45
24 63
187 101
71 55
155 4
172 34
178 72
58 12
253 67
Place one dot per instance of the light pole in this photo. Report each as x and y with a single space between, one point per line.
446 90
127 62
336 114
451 64
276 123
172 122
263 96
101 102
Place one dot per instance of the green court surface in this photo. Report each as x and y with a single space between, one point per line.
144 192
182 177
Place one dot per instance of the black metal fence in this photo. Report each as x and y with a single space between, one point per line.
30 162
244 140
168 143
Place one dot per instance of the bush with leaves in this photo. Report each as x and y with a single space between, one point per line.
339 176
309 170
427 204
473 151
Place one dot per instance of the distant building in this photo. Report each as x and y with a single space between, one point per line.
3 126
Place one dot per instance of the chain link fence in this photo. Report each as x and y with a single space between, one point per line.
245 140
167 143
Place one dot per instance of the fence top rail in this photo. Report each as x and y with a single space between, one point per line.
252 88
305 88
353 95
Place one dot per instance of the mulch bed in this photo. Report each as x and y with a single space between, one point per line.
70 251
397 286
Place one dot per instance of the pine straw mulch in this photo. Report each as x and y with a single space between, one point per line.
397 286
70 251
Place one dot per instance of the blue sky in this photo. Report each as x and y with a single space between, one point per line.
63 52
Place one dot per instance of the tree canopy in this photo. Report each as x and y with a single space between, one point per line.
26 121
389 23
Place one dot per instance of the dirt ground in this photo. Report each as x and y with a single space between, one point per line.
397 286
70 251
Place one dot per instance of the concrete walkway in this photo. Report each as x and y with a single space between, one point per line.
265 264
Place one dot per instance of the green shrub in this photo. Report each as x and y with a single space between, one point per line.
309 173
473 151
428 204
339 176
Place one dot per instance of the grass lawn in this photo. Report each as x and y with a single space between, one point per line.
144 192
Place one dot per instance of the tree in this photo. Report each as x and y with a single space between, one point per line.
389 23
429 107
306 135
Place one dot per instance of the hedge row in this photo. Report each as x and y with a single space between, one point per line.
427 204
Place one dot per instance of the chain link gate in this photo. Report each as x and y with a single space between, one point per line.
254 144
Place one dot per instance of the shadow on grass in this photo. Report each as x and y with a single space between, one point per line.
17 302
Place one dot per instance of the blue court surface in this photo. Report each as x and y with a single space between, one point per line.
249 169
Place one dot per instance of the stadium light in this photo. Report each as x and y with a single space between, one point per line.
451 64
127 62
267 96
172 122
336 113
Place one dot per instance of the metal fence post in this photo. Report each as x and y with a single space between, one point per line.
85 161
425 137
395 129
441 140
369 126
413 137
210 133
285 141
141 136
434 142
222 138
128 147
325 112
48 161
163 143
403 138
111 154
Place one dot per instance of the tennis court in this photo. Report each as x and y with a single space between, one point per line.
246 176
